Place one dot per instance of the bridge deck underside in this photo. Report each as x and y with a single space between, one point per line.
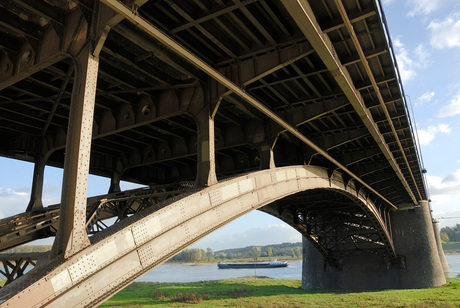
145 91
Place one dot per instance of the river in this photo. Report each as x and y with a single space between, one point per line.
193 273
454 265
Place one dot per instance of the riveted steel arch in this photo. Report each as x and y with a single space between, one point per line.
340 220
120 254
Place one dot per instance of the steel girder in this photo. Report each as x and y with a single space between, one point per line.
42 223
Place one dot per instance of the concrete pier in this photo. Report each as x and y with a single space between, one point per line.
419 265
437 236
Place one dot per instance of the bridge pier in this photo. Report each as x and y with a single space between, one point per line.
419 263
437 236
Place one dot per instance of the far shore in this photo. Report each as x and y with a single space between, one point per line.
202 263
452 252
217 261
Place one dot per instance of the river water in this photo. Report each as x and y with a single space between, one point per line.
193 273
454 265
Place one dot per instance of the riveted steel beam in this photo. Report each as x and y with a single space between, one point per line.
72 236
370 75
212 72
302 13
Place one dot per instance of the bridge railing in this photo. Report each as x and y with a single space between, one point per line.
403 95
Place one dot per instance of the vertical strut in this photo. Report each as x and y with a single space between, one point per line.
206 173
37 180
72 236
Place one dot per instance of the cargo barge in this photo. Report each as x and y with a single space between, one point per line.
252 264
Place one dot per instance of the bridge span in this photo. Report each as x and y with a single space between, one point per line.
292 107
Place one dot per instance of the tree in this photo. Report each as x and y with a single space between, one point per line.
209 254
450 232
444 237
292 253
298 252
256 252
192 255
269 252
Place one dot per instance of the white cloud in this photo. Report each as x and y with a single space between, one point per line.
451 109
425 97
410 60
405 62
422 7
444 187
445 193
445 33
422 55
425 136
12 201
388 2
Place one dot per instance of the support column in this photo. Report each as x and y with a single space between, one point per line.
437 237
267 157
117 172
415 245
206 169
37 180
72 236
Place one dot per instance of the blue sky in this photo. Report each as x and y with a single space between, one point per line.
426 40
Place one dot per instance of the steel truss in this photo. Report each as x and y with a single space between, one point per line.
30 226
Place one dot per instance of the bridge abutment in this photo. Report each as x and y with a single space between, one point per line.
415 245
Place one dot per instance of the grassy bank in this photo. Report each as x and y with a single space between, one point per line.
266 292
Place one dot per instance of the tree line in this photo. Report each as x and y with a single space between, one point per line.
29 248
285 250
450 234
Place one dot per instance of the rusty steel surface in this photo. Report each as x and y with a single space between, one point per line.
193 99
119 255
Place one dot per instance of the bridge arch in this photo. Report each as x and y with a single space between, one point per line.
120 254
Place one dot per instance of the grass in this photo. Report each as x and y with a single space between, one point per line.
266 292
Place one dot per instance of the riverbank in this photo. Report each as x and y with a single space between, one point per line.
266 292
214 262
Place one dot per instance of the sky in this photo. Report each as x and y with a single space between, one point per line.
426 40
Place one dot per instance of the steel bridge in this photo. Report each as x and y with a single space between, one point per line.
219 107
